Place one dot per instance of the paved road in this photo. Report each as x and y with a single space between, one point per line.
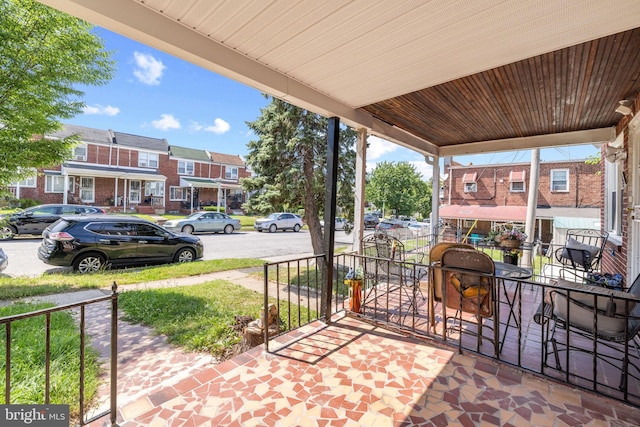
23 258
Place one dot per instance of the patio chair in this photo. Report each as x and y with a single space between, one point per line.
608 321
468 286
385 261
582 251
435 276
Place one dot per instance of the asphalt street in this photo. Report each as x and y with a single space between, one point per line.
23 258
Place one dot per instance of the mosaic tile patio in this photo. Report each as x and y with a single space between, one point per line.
351 373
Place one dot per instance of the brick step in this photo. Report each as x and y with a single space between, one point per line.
145 209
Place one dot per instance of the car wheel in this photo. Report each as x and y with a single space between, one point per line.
296 228
88 263
228 229
7 232
184 255
187 229
259 231
273 228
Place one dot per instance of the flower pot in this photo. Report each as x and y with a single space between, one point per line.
510 259
355 294
511 244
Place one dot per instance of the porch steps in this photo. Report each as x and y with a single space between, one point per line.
146 209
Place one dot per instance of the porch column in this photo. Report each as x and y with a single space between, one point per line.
333 135
115 193
532 202
435 192
361 170
65 188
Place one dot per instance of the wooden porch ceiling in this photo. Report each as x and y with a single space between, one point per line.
568 90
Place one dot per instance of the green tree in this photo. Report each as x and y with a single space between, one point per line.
289 162
399 187
44 56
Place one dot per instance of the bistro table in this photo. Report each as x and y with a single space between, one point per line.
505 272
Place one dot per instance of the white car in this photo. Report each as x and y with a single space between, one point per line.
279 221
419 228
341 224
204 222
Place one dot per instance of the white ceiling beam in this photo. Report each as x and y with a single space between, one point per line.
591 136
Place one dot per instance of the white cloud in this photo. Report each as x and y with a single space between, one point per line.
218 127
378 147
148 69
423 168
166 122
101 110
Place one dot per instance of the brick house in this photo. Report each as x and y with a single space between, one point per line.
475 198
125 172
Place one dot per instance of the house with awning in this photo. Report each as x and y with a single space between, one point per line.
125 172
475 198
200 178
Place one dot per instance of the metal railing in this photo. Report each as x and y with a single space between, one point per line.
517 332
46 314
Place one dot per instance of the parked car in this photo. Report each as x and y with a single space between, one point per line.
341 224
35 219
387 225
279 221
92 243
371 221
4 260
419 228
204 222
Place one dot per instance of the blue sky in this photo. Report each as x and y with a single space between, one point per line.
157 95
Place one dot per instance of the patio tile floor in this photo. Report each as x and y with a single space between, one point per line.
351 373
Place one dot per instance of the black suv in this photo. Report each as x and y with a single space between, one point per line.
35 219
92 243
370 221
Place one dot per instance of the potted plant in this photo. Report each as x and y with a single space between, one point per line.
509 236
354 280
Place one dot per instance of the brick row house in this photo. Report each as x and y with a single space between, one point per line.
477 197
127 172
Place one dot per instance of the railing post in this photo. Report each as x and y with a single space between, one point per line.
114 354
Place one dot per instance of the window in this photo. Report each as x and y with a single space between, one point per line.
185 168
134 191
147 160
27 182
560 180
72 184
154 188
469 182
516 181
87 193
79 153
177 194
230 172
54 184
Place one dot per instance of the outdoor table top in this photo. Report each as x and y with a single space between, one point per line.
510 271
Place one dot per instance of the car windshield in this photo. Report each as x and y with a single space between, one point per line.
273 216
194 215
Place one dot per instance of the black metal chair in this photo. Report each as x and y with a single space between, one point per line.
582 252
598 321
386 262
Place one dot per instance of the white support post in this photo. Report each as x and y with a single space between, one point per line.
361 171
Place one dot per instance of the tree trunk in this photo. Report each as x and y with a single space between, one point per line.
311 213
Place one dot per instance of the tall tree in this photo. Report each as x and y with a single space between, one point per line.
399 187
44 56
289 162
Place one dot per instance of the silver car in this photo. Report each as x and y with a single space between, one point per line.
204 222
279 221
4 260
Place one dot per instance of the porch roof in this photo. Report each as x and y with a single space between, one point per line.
486 213
207 183
111 172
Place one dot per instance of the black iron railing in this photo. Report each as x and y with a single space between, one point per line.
79 309
519 329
